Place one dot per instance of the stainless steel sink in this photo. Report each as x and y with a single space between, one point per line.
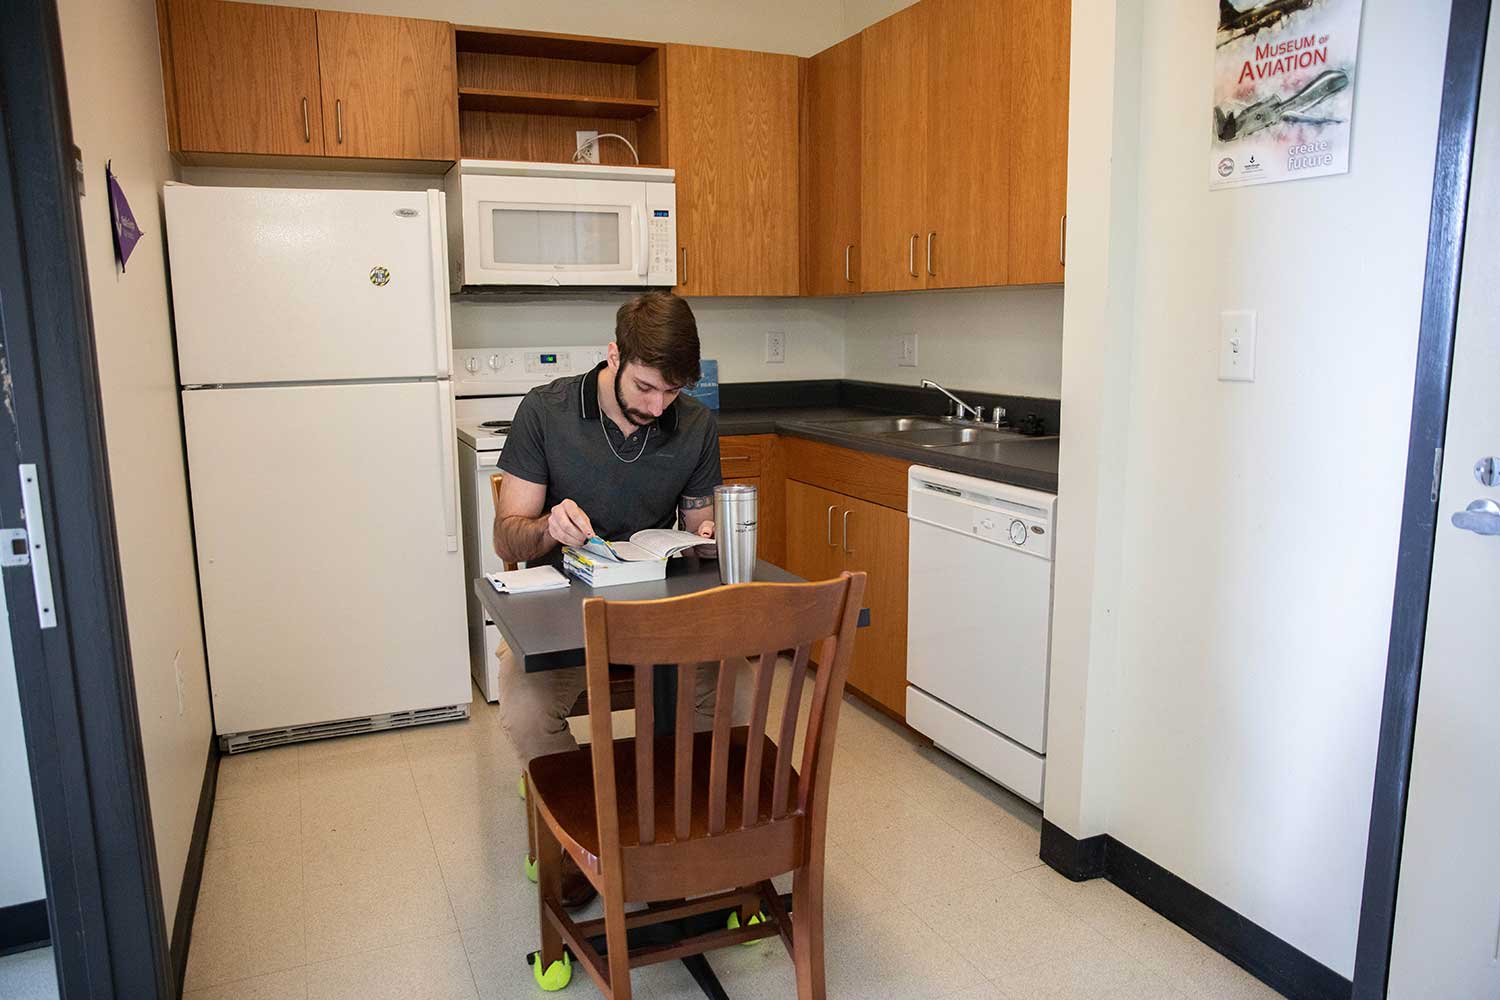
943 437
886 425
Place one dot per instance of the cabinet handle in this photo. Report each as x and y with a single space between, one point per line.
734 458
929 255
830 524
847 247
338 118
306 125
682 265
847 549
1062 239
911 255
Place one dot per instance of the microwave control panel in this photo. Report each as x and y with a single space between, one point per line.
662 252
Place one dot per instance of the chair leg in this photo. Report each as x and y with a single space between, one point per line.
549 888
619 947
807 931
530 821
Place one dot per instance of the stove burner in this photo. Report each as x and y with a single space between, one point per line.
496 425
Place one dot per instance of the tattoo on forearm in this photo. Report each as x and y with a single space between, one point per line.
694 503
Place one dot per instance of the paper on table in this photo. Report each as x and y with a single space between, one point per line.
525 581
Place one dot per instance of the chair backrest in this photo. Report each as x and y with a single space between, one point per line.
725 626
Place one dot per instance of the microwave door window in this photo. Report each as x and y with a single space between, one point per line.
567 239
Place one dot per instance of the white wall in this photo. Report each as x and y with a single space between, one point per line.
20 850
115 98
992 339
1257 523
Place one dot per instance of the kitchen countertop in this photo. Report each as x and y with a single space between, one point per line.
1026 462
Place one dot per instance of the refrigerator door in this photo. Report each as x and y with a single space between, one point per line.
282 285
326 520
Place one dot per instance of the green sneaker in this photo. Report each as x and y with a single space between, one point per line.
557 975
529 866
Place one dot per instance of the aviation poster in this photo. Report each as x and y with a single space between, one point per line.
1283 90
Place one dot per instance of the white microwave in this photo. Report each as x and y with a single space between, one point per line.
561 225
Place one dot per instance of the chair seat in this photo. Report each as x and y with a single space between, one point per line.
564 787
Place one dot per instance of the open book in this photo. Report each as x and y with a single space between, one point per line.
651 545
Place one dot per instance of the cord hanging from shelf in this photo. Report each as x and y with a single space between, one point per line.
578 153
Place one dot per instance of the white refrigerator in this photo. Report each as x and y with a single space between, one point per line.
314 354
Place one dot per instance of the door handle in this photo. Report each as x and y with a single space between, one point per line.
1481 517
638 223
847 549
911 255
829 526
338 119
306 124
929 255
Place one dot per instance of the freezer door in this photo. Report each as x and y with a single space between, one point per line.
281 285
332 585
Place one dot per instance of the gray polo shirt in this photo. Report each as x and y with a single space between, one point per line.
560 439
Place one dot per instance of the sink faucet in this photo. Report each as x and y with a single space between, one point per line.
977 412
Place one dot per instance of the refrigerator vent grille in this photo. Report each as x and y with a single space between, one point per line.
240 742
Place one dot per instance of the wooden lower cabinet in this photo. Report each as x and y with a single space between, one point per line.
828 533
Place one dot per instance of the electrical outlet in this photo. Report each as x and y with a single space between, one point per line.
177 669
590 155
775 347
906 351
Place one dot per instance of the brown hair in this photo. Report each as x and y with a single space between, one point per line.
658 330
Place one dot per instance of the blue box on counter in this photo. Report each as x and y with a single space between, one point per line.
707 389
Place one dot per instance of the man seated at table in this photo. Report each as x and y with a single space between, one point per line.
608 453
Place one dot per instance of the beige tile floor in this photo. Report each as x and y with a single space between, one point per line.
388 866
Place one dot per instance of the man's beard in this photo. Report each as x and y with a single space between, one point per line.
637 417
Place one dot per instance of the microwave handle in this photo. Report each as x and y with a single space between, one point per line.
638 219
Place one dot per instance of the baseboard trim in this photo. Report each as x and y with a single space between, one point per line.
192 873
24 927
1276 963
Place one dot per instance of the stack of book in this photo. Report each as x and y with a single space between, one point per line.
640 560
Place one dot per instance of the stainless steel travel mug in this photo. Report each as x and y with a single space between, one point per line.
734 528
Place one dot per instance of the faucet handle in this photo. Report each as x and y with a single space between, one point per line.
979 414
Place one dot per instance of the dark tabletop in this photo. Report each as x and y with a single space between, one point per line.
1027 462
545 630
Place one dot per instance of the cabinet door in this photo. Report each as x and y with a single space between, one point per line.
244 78
969 143
893 151
1038 117
830 171
389 87
812 531
874 539
732 138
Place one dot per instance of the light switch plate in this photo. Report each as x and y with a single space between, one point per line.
906 351
1237 346
775 347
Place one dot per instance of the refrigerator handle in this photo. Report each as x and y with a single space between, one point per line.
446 446
442 319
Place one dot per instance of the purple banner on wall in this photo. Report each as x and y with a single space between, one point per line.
127 233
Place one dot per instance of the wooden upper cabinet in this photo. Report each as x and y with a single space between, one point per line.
831 97
732 126
389 87
1038 116
243 78
969 140
893 153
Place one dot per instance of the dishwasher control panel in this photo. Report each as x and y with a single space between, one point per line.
1009 516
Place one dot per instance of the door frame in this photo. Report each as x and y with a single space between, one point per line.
75 679
1457 124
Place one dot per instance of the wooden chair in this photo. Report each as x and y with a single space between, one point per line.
695 823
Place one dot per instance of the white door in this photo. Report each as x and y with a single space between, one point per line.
1447 933
282 285
326 522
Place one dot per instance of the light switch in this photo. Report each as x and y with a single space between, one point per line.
1237 346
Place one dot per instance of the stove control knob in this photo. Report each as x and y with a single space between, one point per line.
472 365
494 362
1018 532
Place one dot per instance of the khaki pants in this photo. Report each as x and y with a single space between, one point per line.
534 707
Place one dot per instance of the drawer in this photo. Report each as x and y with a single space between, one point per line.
741 456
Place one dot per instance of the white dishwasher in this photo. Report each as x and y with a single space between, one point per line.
979 622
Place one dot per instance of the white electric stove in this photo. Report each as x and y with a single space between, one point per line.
488 386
